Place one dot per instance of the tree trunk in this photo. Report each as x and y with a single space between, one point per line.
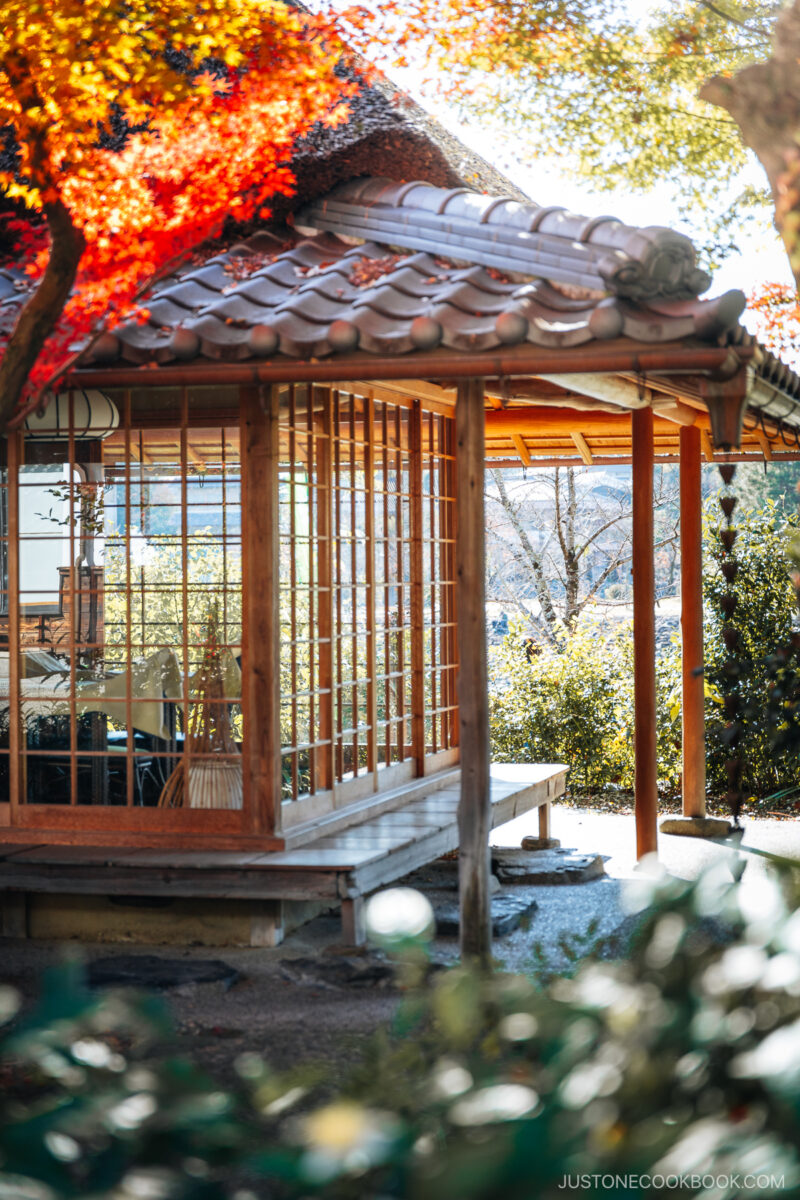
39 316
549 614
572 573
764 101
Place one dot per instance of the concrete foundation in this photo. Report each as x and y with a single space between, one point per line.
705 827
153 921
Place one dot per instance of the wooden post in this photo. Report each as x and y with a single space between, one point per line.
694 749
644 635
261 655
416 587
326 726
369 579
474 811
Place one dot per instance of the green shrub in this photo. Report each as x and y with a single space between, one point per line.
90 1111
765 614
682 1061
576 706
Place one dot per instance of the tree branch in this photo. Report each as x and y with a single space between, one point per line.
40 314
533 560
601 529
725 16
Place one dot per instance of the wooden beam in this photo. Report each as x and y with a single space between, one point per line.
764 443
404 392
524 452
544 420
474 811
324 760
644 635
507 461
674 410
708 449
693 717
261 653
583 448
615 357
141 455
371 593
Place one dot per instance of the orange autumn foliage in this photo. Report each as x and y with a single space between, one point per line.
217 119
776 320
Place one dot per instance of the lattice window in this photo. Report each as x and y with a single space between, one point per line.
439 610
124 555
367 587
393 539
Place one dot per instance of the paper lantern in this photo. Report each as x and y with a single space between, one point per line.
94 415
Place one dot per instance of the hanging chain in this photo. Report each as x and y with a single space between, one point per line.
731 675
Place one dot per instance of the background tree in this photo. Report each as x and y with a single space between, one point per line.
560 540
131 134
670 99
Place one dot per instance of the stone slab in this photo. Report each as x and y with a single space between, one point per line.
352 970
152 971
705 827
508 913
545 868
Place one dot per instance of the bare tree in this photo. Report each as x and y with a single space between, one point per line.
559 537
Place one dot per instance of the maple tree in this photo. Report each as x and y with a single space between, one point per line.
776 312
132 133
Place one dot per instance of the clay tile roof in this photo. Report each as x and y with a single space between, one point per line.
433 267
598 254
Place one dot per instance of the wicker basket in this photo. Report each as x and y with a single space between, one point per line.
210 782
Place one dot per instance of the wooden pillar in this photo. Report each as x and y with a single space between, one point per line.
644 634
370 590
261 656
416 564
474 808
325 764
693 717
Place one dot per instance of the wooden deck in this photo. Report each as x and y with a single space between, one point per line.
342 865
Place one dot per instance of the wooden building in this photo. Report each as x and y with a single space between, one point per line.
242 553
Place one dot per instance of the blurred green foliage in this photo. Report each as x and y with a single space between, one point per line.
89 1109
680 1057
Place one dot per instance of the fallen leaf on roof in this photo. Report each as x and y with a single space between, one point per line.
242 267
366 271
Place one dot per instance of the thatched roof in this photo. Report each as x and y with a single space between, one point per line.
388 135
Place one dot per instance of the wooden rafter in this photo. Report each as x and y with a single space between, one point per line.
764 443
524 452
583 448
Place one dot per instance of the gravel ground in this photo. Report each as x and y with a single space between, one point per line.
286 1004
